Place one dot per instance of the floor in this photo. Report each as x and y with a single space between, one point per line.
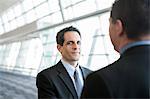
15 86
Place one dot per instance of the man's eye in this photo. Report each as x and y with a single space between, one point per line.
69 43
79 43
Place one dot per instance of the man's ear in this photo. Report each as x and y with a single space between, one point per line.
59 47
119 27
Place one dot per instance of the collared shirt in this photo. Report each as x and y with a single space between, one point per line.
138 43
70 69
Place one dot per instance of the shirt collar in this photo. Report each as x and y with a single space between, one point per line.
138 43
70 69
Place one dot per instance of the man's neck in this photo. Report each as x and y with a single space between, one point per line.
73 63
127 41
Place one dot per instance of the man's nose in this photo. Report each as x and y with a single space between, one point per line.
75 46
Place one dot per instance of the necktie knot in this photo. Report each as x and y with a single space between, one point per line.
76 74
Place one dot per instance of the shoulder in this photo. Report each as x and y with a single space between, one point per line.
52 69
49 72
105 72
95 86
106 75
84 69
99 81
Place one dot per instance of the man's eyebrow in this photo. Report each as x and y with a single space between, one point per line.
73 41
70 41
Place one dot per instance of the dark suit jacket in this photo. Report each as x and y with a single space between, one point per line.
55 82
129 77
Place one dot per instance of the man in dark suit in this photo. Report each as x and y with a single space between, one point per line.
129 76
58 81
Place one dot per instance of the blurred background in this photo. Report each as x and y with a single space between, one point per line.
27 39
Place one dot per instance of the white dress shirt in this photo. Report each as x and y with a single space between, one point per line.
71 69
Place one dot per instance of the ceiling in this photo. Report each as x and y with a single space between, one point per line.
5 4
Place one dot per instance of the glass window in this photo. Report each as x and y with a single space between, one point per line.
14 50
50 49
97 62
1 26
21 59
33 54
27 4
76 1
84 8
10 14
7 27
45 21
50 54
48 36
65 4
104 23
13 24
99 48
88 33
18 10
1 29
1 21
20 21
44 38
2 52
4 18
42 10
6 55
30 16
84 60
51 36
50 20
56 18
37 2
54 5
113 55
101 4
68 13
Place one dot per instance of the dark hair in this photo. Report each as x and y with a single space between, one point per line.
60 34
134 15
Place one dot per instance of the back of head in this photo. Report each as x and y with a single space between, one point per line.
134 15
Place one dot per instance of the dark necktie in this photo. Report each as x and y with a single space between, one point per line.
77 83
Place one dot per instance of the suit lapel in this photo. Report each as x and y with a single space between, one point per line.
63 74
83 73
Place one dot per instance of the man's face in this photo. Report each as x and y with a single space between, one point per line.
113 34
71 47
